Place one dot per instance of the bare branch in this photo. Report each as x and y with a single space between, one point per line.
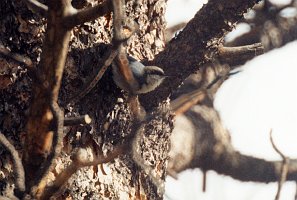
82 158
17 165
239 55
204 181
196 45
120 35
284 169
107 60
72 121
42 140
16 57
184 102
213 151
42 174
88 14
37 7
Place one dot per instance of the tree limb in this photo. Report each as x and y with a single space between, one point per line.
37 7
82 158
17 165
81 16
40 134
239 55
15 56
284 169
197 44
72 121
213 151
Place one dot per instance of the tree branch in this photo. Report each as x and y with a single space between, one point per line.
197 44
40 135
214 151
37 7
88 14
72 121
15 56
284 169
239 55
17 165
82 158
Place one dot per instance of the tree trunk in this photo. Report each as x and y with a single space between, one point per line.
23 32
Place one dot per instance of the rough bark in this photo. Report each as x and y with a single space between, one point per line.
107 106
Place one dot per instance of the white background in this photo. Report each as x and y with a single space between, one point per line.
262 97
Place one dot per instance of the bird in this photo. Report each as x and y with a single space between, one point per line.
147 78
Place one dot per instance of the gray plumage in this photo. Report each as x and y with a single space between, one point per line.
147 77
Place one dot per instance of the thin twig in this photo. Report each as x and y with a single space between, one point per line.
239 55
295 198
80 160
88 14
72 121
16 57
186 101
120 35
17 165
107 60
37 7
255 49
204 180
284 169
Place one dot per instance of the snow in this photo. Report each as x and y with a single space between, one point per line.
178 11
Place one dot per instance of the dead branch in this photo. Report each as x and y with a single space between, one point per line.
184 102
239 55
284 169
213 151
16 57
72 121
88 14
41 136
107 60
18 168
37 7
120 36
82 158
204 181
